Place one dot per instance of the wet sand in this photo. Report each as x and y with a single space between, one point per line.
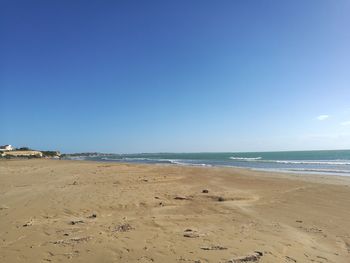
75 211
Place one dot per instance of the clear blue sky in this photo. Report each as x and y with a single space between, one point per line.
176 76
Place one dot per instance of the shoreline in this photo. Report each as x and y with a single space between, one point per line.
276 173
87 211
303 171
325 177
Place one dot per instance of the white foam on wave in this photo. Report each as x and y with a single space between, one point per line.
177 162
160 160
245 158
320 170
110 159
313 162
77 158
136 159
321 162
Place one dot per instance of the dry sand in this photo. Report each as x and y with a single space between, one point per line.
72 211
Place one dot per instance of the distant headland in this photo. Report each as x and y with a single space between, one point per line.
8 152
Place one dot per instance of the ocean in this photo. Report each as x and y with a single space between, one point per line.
319 162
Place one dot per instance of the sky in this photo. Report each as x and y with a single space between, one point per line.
175 76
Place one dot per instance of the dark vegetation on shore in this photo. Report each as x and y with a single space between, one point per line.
26 152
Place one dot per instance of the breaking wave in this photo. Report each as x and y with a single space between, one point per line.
314 162
321 162
156 160
245 158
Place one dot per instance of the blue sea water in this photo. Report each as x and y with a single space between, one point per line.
321 162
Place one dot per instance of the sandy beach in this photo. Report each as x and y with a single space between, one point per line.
76 211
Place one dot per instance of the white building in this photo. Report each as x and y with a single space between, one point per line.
6 148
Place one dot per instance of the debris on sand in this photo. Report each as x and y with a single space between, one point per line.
254 257
145 259
123 228
214 248
290 259
29 223
311 229
80 239
74 222
179 197
92 216
221 199
217 198
191 233
205 191
72 240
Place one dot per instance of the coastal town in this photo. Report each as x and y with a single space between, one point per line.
8 151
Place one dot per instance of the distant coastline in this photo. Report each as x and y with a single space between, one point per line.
10 152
